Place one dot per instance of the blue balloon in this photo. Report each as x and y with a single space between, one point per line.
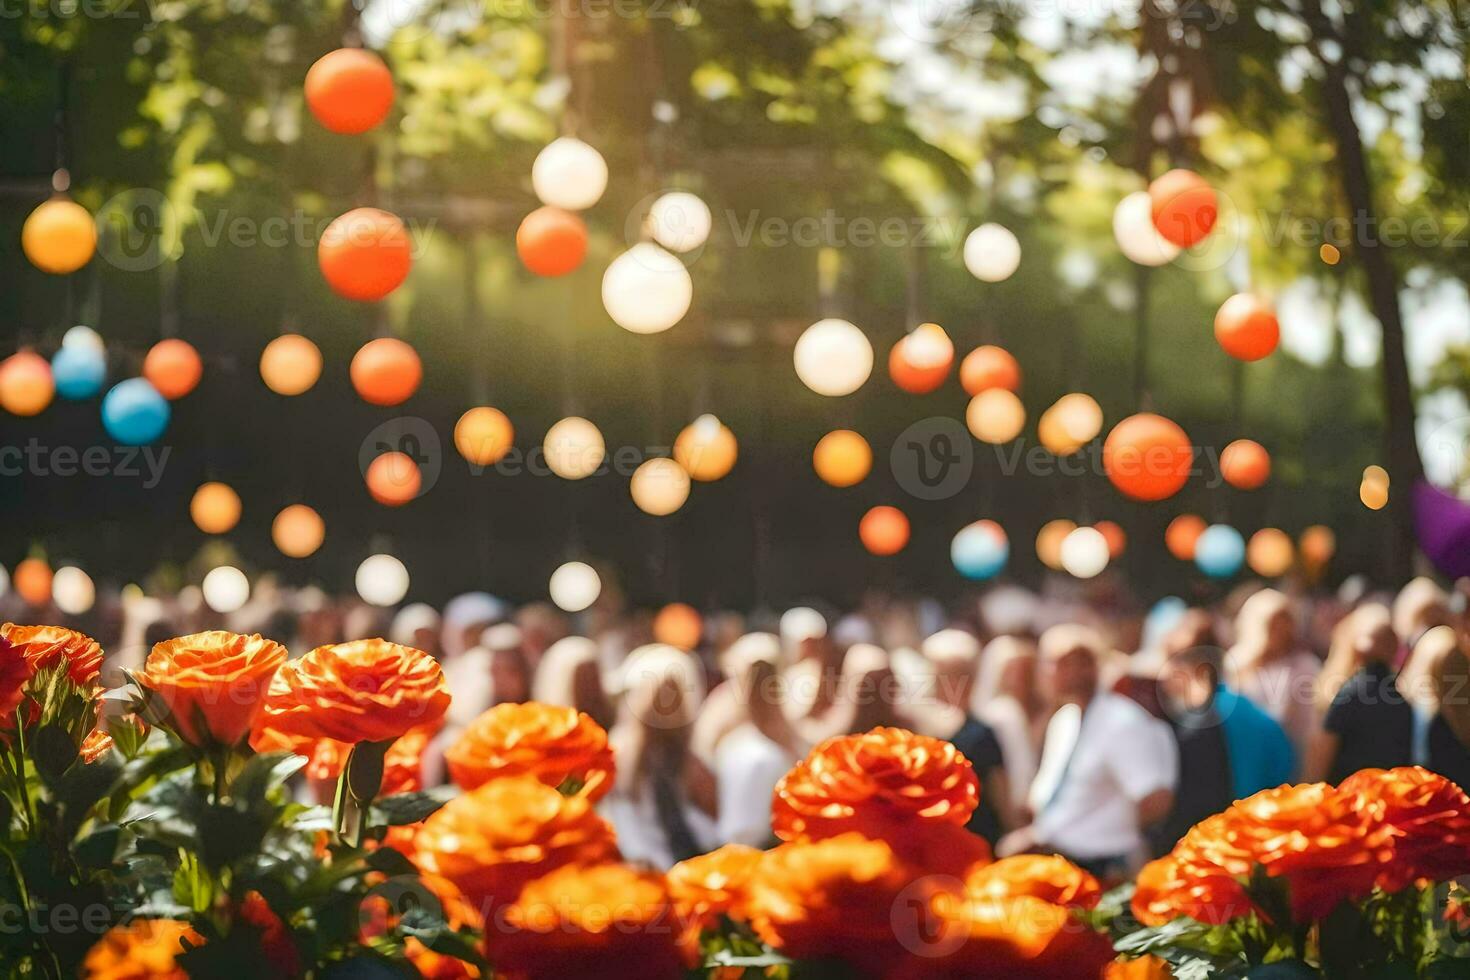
79 370
1220 551
979 552
134 413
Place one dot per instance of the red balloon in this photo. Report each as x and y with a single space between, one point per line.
1246 327
393 479
884 530
349 90
1245 464
989 367
173 367
1113 534
1147 457
1184 207
551 242
364 254
913 379
386 371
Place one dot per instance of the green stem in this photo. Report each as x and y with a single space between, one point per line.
339 804
20 769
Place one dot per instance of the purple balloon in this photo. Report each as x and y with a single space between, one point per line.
1442 522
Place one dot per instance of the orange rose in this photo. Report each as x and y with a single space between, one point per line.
1049 878
1170 889
212 683
1016 938
15 673
605 920
144 949
880 783
712 885
52 646
558 746
1429 817
492 840
363 691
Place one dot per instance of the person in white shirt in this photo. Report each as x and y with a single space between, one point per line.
1108 768
751 758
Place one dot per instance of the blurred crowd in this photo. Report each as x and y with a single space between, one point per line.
1100 730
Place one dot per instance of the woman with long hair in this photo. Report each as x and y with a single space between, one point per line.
570 675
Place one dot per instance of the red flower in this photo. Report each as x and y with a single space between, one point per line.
53 646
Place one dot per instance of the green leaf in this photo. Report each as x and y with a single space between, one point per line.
391 862
53 752
263 773
403 809
99 848
365 769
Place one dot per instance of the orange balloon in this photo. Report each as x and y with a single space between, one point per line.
1246 327
1317 545
173 367
215 508
920 361
706 448
364 254
386 371
1147 457
842 458
1113 534
32 581
989 367
1049 541
483 435
60 236
679 625
349 90
290 364
1245 464
551 242
1269 552
884 530
298 531
394 479
1182 535
26 384
1184 207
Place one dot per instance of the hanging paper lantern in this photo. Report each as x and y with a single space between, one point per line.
995 416
226 589
1049 542
1084 552
365 254
659 486
920 361
1184 207
59 237
393 479
73 590
1317 545
551 242
349 90
842 458
1069 424
833 357
215 508
569 174
32 581
706 448
1246 327
679 221
1181 537
1113 534
1138 239
987 367
992 253
679 625
1220 551
381 580
83 336
573 448
980 550
173 367
574 586
1245 464
1269 552
26 383
298 531
79 370
1147 457
134 413
646 289
884 530
290 364
386 371
483 435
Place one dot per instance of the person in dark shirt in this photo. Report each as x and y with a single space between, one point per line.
1188 686
1448 736
955 657
1369 724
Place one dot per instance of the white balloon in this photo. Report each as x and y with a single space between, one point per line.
1139 240
992 253
569 174
833 357
82 336
575 586
659 486
72 590
802 623
679 221
573 448
647 289
1085 552
382 580
226 589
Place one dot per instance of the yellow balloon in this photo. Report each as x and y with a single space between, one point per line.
290 364
1049 542
1376 474
298 531
659 486
995 415
215 508
1373 495
483 435
573 448
706 448
842 458
59 236
1270 552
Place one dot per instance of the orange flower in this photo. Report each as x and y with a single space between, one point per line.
52 646
1016 938
886 783
556 745
1049 878
1170 889
492 840
363 691
212 683
144 949
605 920
15 673
714 884
1429 817
1142 968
